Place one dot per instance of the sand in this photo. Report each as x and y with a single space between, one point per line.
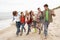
53 31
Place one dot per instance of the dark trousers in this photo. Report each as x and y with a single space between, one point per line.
34 24
22 28
18 27
28 29
46 24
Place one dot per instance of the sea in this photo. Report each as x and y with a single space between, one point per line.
5 19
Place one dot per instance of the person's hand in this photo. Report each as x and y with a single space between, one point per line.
25 21
53 15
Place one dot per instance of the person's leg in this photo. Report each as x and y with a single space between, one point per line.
46 28
39 30
35 26
38 27
28 29
41 21
41 26
22 29
18 28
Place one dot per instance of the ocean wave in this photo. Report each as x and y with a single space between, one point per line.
5 23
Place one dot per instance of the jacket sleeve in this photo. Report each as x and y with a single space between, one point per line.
43 13
52 13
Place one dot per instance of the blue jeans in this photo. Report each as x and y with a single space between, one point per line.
34 24
18 27
22 27
28 29
41 21
46 23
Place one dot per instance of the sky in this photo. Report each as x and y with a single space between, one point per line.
22 5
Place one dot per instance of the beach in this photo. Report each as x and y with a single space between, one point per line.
8 33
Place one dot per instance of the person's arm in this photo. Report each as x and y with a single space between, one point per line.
20 18
25 19
52 13
13 18
43 13
29 17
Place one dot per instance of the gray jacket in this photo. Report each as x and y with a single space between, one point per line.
49 15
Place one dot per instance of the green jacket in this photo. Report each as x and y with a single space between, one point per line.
49 15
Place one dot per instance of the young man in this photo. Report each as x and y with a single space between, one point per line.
47 13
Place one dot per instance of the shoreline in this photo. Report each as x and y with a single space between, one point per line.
5 23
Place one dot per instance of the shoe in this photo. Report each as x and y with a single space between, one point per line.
20 34
45 37
24 30
35 30
16 34
27 34
39 31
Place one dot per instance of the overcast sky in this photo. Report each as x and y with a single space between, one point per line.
22 5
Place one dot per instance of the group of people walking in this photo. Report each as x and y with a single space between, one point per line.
33 20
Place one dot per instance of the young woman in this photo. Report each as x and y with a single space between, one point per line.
33 20
27 16
22 20
28 21
17 20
